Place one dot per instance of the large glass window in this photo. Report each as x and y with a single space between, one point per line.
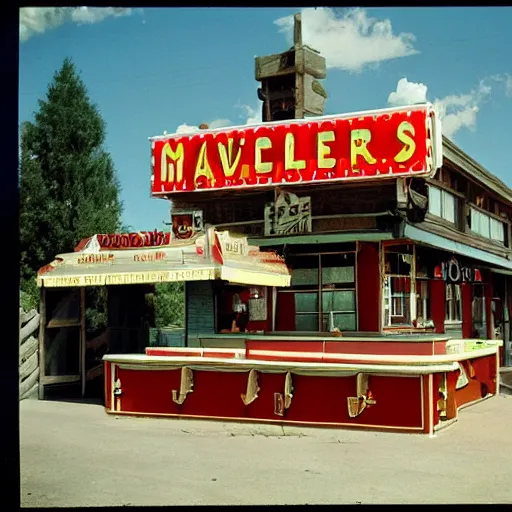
323 292
422 301
398 287
478 312
453 303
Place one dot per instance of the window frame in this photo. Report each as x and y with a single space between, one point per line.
442 193
478 213
409 297
320 289
453 287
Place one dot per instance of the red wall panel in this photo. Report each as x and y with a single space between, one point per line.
285 312
437 304
467 319
368 287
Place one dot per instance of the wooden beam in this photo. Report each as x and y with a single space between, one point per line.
322 238
42 331
28 348
82 341
60 379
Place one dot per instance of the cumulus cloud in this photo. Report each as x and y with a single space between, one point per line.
455 111
350 39
186 128
408 93
37 20
216 123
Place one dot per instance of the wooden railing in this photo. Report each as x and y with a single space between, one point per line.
29 353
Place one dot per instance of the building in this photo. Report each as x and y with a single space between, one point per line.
346 270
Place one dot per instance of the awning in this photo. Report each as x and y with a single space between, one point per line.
439 242
207 257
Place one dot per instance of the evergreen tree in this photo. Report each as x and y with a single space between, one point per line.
68 184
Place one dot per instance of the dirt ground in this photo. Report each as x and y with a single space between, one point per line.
74 454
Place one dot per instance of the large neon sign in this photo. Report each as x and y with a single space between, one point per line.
369 145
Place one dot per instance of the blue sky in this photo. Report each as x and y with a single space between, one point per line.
151 70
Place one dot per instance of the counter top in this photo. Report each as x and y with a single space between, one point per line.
271 336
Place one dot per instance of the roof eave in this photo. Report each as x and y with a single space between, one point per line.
474 170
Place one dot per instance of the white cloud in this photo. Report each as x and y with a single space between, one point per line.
37 20
251 115
455 111
350 40
219 123
185 128
408 93
508 85
216 123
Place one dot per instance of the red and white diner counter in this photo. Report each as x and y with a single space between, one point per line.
407 383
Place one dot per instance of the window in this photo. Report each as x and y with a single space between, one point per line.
478 312
487 226
322 293
453 303
497 230
441 203
422 301
338 292
398 286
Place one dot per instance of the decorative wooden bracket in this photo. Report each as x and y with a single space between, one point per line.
186 386
443 393
471 369
462 380
282 401
364 399
252 388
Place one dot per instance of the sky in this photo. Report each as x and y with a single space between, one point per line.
156 69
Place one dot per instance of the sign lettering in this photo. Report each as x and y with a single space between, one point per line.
203 274
151 256
87 259
371 145
134 240
453 272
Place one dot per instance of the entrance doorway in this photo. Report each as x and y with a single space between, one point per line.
80 325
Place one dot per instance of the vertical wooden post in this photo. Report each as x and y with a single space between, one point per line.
83 373
42 332
299 77
268 114
506 324
297 30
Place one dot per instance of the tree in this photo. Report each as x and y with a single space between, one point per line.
68 184
169 304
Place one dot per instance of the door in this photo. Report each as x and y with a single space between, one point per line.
62 343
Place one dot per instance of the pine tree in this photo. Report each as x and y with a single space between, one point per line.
68 184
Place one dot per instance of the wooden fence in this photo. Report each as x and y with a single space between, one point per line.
29 353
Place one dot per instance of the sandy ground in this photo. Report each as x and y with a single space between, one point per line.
76 455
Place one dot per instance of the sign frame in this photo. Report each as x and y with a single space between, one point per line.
218 161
